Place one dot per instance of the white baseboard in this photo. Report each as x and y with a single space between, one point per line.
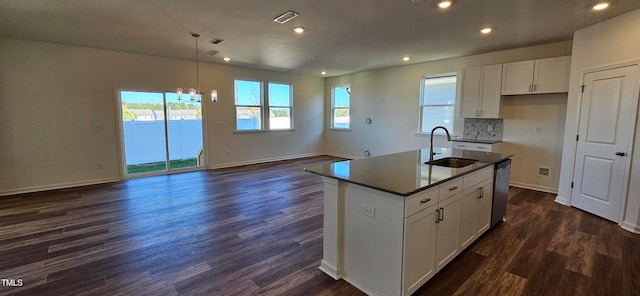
263 160
342 155
534 187
630 227
329 269
57 186
562 200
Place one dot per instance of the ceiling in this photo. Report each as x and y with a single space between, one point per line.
346 36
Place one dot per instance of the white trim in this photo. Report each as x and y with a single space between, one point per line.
351 157
263 160
562 200
534 187
631 227
57 186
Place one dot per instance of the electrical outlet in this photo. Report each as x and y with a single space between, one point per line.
489 128
228 153
537 129
98 165
97 127
368 210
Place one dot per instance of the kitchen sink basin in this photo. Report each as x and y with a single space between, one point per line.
452 162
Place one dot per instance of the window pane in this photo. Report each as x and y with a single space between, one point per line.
341 118
279 118
341 97
248 93
279 95
439 91
248 118
435 116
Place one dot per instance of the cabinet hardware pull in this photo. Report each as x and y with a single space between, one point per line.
425 200
453 188
479 192
530 88
535 87
441 214
482 192
621 153
437 215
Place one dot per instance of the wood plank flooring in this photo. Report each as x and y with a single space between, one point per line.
257 230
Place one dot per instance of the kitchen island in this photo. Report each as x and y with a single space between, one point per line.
391 222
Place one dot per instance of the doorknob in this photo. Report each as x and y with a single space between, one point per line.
621 153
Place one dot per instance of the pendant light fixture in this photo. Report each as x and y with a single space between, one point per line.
194 92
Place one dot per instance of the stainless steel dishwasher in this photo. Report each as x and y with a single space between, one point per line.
500 191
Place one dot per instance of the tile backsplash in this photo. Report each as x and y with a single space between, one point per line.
477 128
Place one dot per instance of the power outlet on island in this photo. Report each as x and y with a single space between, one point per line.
368 210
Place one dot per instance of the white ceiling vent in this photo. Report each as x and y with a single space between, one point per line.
285 17
212 52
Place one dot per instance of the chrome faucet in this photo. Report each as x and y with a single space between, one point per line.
431 147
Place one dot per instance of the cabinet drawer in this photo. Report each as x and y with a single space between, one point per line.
472 146
451 187
478 176
420 201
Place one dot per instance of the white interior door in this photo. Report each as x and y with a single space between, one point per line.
607 118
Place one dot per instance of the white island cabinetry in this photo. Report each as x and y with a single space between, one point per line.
395 244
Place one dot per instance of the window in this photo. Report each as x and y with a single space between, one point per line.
279 105
340 103
248 105
437 103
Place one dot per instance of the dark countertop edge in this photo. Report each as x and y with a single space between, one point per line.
477 141
486 164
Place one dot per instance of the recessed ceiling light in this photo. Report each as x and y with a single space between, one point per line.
444 4
406 59
226 59
323 72
486 30
601 6
298 30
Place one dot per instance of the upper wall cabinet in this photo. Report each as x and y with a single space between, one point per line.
536 76
480 96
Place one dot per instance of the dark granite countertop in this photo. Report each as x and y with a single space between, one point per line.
477 141
405 173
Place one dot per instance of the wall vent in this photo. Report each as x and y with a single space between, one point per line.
285 17
544 171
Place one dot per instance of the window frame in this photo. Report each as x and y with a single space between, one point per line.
333 106
422 105
268 107
261 104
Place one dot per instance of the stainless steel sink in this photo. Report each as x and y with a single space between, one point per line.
452 162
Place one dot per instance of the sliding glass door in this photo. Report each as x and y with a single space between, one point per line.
160 133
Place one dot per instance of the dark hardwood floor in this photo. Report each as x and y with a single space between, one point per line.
257 230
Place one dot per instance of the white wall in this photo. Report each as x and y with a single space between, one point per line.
391 95
611 42
52 96
521 114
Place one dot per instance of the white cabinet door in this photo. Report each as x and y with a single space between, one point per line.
483 208
419 249
448 232
551 75
467 225
480 96
541 76
490 95
470 97
517 78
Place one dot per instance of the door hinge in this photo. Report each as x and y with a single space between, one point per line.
571 185
577 138
582 88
